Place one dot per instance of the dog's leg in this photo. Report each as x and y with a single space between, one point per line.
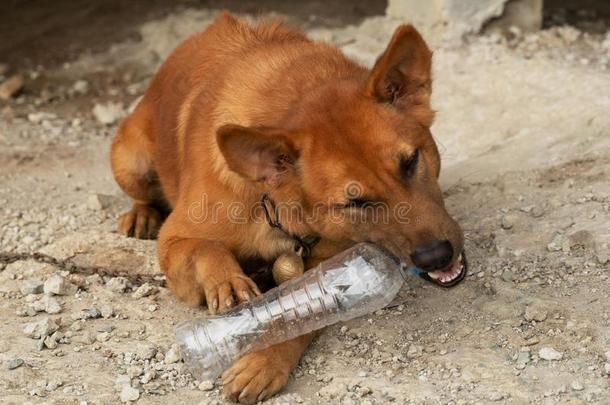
131 159
199 270
257 376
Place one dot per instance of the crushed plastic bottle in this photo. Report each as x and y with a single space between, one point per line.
360 280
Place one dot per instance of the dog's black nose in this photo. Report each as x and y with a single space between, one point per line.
433 256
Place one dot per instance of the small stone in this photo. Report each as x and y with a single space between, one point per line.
15 363
105 328
144 291
94 279
76 326
206 386
497 396
568 33
108 113
146 351
508 276
415 351
508 221
549 354
58 285
40 116
173 355
80 86
98 202
11 86
122 381
607 369
107 311
129 394
31 287
134 371
577 386
78 280
50 343
556 244
603 257
103 337
52 306
148 376
86 338
117 284
535 313
523 358
92 313
36 330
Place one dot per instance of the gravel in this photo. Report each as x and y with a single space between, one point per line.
479 342
550 354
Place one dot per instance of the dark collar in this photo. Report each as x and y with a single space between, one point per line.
305 244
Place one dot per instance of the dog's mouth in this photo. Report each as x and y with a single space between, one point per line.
450 275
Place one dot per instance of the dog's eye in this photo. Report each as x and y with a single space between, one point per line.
409 164
357 203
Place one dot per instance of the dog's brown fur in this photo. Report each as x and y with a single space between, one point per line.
237 111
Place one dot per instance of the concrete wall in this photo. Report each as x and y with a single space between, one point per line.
451 20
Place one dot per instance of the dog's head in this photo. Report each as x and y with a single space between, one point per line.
359 161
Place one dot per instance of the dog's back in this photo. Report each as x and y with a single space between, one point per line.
232 72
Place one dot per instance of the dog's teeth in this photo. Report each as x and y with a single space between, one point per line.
434 275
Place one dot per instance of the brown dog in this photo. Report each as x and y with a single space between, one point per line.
240 112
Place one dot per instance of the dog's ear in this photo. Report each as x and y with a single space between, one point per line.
263 155
402 74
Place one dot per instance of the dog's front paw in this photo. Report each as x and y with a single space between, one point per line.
256 376
222 295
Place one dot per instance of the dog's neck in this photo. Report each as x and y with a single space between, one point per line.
303 244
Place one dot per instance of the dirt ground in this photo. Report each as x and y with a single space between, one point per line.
523 124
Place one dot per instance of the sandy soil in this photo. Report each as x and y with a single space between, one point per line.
524 130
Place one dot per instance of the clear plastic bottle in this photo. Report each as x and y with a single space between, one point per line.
355 282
